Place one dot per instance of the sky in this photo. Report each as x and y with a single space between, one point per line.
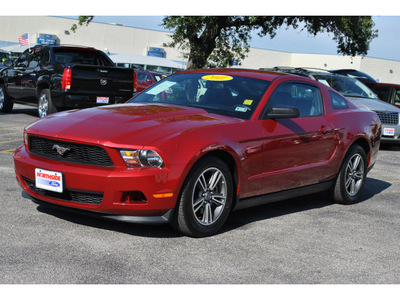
149 14
386 45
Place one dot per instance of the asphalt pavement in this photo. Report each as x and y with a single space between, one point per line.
305 240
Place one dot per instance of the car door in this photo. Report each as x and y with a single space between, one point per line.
22 79
297 151
15 75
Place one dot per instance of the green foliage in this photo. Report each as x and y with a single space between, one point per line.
82 20
216 41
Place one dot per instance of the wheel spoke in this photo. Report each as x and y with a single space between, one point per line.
198 203
202 182
214 180
207 215
353 187
359 174
356 162
218 199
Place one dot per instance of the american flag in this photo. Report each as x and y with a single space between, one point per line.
24 39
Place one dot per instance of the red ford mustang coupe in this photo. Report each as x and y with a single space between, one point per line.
199 144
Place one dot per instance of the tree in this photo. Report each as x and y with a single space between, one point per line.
216 41
82 20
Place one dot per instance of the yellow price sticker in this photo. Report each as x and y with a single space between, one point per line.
248 102
217 77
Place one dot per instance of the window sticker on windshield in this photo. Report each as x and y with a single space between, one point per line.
217 77
242 108
248 102
164 85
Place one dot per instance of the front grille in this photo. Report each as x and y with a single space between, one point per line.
67 195
77 153
388 117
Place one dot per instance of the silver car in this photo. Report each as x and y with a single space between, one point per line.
359 94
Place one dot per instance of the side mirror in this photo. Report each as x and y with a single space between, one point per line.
282 113
8 63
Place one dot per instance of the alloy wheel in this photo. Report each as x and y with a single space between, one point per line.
354 174
2 98
43 106
209 196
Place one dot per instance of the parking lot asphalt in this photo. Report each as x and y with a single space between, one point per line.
305 240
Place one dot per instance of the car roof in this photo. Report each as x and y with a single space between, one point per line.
305 71
261 74
64 46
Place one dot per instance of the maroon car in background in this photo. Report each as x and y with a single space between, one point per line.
144 79
388 92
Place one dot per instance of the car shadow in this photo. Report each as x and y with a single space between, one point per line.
238 219
243 218
26 110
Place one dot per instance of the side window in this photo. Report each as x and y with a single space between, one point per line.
306 98
397 97
140 76
46 58
149 78
22 61
338 102
35 59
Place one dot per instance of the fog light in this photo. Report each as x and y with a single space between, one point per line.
133 197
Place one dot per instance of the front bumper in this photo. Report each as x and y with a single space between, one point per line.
165 218
390 133
103 190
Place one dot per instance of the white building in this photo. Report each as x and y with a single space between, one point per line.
151 45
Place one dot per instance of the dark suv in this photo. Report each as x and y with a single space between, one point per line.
364 78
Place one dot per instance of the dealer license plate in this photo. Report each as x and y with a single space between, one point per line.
49 180
102 100
388 131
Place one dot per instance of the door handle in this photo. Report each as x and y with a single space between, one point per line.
325 130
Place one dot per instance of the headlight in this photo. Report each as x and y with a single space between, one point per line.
26 139
140 158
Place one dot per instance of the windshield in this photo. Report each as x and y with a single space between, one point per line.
226 95
347 86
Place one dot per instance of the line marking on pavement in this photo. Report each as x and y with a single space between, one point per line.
10 133
5 142
12 127
7 151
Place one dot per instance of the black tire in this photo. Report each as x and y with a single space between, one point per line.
6 104
205 200
351 178
45 104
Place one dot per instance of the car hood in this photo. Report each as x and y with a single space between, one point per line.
372 104
126 125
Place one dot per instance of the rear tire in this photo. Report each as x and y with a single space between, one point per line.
206 199
6 104
351 178
45 104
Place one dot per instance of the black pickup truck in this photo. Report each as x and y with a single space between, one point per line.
56 77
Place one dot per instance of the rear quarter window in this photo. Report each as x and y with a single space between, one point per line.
338 102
